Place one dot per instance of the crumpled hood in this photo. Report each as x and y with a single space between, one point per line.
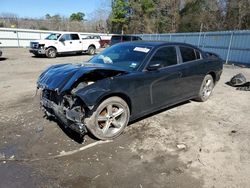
61 77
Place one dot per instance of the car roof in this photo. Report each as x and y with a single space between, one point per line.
117 35
161 43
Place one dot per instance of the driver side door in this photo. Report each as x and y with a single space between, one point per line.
64 43
165 77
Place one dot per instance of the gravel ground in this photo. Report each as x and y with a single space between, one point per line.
190 145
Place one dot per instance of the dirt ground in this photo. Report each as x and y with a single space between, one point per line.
191 145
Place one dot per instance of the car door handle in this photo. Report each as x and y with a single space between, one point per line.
80 41
70 42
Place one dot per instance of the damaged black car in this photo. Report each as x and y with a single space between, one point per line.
125 82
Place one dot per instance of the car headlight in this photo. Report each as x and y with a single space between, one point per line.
41 46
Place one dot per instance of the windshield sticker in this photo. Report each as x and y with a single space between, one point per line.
140 49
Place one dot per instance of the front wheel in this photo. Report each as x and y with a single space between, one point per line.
109 119
206 89
51 52
91 50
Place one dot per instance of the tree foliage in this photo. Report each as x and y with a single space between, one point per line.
119 16
79 16
162 16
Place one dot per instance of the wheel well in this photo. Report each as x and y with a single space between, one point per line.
122 96
213 75
92 45
51 47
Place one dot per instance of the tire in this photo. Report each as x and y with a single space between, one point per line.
79 53
206 89
109 119
51 52
91 50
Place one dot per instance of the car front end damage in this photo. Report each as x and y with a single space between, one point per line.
65 109
70 92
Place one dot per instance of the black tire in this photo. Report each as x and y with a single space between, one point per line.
91 50
109 119
206 89
79 53
51 52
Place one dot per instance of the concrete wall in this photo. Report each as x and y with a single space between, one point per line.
21 37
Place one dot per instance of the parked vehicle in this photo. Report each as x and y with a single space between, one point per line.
60 43
123 38
103 40
125 82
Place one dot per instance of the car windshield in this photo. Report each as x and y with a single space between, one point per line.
53 36
127 56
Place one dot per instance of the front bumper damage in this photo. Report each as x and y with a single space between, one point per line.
70 118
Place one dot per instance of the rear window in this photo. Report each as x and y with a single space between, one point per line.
188 54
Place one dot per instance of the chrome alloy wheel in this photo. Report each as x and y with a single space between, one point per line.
207 88
111 119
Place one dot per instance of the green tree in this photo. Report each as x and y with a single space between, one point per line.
205 12
79 16
119 16
141 18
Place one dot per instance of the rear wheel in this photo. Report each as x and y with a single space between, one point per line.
110 119
51 52
206 89
91 50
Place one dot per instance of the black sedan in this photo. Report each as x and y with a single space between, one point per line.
125 82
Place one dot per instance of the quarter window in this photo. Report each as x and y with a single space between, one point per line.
188 54
165 57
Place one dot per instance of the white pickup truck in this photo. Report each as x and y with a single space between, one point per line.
64 42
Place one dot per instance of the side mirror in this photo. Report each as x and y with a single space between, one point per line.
62 39
154 66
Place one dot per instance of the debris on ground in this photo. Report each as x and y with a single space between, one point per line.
240 82
181 146
233 131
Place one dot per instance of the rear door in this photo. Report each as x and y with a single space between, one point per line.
191 69
76 43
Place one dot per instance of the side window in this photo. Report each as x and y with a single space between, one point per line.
74 37
165 56
188 54
126 38
66 37
135 38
